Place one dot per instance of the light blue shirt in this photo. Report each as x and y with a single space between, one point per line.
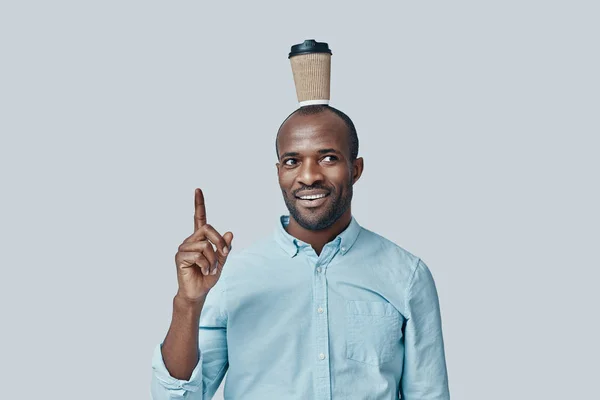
359 321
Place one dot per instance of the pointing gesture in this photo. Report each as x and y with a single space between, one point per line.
199 265
200 210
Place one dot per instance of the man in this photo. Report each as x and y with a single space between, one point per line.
322 309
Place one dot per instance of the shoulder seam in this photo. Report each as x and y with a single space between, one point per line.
409 288
223 306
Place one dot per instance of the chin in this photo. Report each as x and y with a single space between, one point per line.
314 221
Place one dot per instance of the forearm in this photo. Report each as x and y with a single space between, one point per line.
180 347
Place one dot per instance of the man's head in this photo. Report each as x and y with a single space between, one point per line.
317 149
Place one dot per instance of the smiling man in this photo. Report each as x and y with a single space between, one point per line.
321 309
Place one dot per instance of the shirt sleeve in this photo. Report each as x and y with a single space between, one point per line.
212 364
424 375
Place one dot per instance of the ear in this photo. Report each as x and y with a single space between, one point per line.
357 169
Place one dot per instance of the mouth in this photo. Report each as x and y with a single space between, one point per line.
312 201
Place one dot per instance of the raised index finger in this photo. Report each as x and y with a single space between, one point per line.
200 210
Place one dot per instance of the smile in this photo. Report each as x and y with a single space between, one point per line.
312 201
312 197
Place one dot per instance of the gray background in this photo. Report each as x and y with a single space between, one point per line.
478 123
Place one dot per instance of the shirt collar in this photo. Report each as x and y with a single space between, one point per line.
291 245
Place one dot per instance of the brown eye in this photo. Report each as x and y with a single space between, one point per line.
333 157
289 159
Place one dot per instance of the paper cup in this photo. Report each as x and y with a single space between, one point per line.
311 66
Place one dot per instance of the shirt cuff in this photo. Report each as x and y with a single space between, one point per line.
173 385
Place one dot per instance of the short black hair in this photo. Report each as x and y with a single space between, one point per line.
319 108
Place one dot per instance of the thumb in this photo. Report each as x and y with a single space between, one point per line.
228 236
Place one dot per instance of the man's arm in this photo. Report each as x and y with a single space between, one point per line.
424 376
180 348
192 360
197 334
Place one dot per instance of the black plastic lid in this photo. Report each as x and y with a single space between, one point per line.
309 46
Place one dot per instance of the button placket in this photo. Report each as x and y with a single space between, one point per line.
322 373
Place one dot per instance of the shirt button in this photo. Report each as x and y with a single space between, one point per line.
320 310
319 270
343 249
322 356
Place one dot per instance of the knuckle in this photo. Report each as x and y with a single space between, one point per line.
208 227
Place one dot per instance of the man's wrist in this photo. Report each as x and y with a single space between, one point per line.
184 304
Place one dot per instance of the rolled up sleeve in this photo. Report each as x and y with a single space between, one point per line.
424 375
213 361
165 387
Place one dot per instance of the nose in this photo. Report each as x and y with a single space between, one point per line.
310 172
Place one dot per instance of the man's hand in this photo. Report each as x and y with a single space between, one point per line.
199 266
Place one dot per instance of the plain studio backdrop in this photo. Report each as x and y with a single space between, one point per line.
478 123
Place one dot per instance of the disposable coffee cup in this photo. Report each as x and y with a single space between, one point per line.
311 66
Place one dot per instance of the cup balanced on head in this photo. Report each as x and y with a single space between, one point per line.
199 265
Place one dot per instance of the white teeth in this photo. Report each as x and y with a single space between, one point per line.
315 196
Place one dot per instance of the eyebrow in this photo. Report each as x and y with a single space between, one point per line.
321 151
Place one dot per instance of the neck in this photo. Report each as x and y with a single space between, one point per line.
318 239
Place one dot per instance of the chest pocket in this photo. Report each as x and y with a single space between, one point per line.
373 331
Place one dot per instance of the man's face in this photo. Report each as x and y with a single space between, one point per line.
314 161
